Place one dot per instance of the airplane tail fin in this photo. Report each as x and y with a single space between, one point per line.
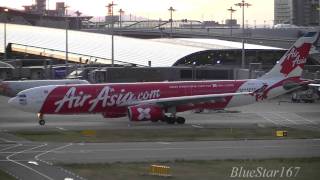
293 61
288 70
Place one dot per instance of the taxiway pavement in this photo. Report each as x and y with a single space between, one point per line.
27 154
264 114
21 160
202 150
32 160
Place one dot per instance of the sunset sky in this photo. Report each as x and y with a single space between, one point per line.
261 10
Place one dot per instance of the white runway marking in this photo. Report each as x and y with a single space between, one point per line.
7 141
23 165
302 119
10 147
288 119
20 160
196 126
61 128
51 150
173 148
297 120
285 118
166 143
267 117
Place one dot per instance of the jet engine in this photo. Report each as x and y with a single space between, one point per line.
145 113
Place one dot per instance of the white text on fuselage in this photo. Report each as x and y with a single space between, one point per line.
107 96
295 55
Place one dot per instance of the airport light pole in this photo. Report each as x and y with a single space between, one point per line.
110 8
231 12
171 9
121 12
67 39
78 13
5 34
242 4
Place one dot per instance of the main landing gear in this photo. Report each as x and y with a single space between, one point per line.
42 122
172 120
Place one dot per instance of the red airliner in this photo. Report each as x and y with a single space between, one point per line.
162 100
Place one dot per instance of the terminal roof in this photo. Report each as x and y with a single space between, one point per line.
94 46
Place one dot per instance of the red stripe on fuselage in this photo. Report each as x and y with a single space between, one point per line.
265 93
73 99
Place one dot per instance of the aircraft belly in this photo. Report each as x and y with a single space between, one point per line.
241 101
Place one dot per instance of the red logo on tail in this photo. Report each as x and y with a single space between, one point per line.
295 57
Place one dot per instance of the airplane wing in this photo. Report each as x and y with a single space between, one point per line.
314 85
174 101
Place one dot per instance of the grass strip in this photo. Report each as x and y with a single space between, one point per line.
178 134
5 176
210 169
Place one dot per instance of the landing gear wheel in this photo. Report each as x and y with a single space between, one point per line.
170 120
180 120
42 122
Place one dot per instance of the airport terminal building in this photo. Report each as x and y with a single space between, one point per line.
219 58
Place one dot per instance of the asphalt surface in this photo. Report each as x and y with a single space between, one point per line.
32 160
21 160
203 150
265 114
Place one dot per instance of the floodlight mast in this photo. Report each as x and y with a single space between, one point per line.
67 27
231 12
171 9
110 12
121 12
5 33
242 4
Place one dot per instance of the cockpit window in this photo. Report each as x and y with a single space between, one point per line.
22 95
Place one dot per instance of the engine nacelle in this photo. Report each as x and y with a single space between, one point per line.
145 113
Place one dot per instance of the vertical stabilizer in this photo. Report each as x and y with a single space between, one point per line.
292 63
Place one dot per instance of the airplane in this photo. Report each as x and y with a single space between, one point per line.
154 101
12 88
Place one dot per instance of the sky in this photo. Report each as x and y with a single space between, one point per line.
260 11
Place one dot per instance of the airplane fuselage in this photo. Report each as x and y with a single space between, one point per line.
112 99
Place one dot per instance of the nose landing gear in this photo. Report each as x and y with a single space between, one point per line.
42 122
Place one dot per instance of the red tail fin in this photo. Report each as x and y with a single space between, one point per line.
292 63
